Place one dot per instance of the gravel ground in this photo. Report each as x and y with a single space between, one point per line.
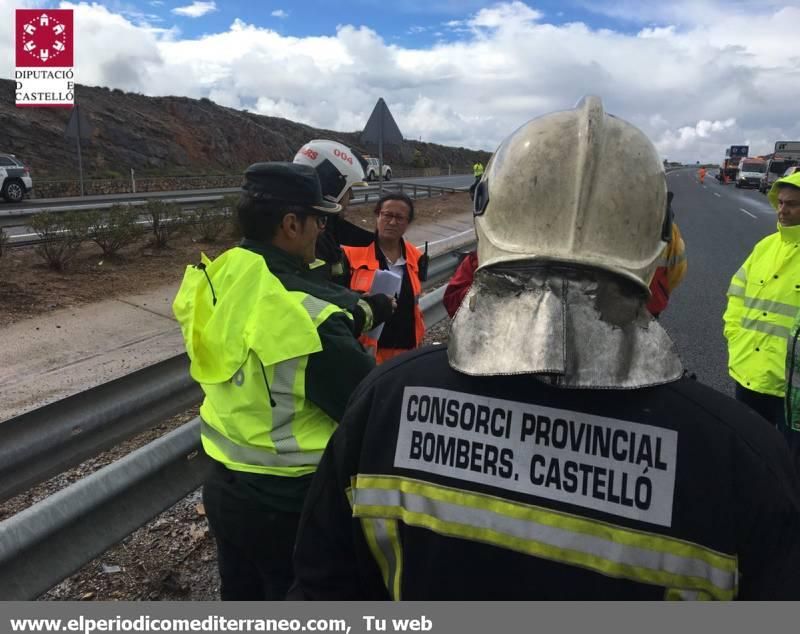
172 558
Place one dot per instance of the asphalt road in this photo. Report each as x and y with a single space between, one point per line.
720 225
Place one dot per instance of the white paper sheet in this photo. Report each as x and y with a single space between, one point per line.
386 283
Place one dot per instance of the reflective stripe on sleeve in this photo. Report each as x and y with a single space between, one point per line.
257 457
384 543
736 291
285 386
741 274
569 539
319 310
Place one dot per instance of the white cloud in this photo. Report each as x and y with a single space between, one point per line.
693 87
279 13
196 9
505 15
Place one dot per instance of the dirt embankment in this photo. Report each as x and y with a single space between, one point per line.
28 288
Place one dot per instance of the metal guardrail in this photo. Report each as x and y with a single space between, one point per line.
48 440
18 217
50 540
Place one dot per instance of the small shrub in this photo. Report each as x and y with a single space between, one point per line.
60 235
230 202
211 222
114 229
166 221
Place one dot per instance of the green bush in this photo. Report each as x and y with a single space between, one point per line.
166 221
114 229
60 235
211 222
230 202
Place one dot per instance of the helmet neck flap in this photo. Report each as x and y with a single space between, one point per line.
577 327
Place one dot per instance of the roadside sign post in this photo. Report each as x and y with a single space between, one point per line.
381 130
78 128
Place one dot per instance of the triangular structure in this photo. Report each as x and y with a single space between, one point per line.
381 130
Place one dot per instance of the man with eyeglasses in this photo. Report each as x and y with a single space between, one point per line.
763 300
274 348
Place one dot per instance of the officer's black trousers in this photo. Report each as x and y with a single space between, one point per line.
771 408
254 543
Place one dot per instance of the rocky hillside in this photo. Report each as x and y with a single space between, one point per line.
170 136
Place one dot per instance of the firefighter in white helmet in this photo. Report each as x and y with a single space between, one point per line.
339 169
554 449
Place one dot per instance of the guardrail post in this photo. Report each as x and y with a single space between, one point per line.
430 194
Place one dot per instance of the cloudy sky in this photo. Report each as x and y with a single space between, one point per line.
695 75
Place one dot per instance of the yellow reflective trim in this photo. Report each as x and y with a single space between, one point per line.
542 515
372 541
679 594
394 540
548 517
736 291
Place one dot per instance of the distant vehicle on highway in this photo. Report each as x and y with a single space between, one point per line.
776 168
373 168
15 178
750 172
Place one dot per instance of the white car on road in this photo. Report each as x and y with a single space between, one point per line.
15 178
372 168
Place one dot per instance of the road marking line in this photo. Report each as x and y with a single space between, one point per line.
747 212
717 195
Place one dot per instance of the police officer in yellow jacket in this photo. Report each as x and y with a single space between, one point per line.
553 449
275 351
763 300
477 172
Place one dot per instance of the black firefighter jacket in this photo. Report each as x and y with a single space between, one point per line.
439 485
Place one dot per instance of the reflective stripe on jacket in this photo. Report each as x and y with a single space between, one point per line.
364 263
763 300
248 340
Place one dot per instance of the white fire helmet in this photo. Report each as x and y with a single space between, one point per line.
578 186
339 168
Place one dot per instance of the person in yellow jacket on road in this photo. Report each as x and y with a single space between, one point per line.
477 172
274 349
763 300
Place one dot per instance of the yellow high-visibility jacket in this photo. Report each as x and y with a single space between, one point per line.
248 340
763 300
